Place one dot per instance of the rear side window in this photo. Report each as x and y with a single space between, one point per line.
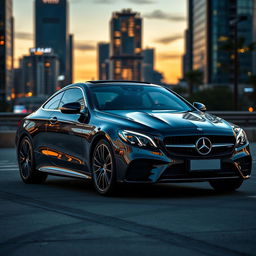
53 104
73 95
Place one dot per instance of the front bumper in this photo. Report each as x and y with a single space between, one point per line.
136 165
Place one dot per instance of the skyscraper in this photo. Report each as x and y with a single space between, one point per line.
148 64
40 71
52 31
254 36
6 50
186 58
103 61
210 39
125 46
71 58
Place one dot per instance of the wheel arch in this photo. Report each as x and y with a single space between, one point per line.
96 139
22 135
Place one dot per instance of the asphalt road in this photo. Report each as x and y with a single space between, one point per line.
66 217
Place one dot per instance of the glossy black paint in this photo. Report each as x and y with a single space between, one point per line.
66 138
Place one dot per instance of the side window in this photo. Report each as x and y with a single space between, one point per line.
73 95
54 102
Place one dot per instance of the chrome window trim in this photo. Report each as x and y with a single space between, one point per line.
63 90
54 95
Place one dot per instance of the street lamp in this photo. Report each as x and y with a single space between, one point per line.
233 23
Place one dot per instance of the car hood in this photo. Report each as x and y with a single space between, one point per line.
171 122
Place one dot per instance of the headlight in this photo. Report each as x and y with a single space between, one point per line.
241 138
137 139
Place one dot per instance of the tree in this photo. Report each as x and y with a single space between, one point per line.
217 98
194 78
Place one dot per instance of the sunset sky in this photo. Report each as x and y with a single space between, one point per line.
164 22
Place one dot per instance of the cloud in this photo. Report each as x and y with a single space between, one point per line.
169 39
75 1
141 1
166 56
160 15
24 36
130 1
85 46
104 1
79 45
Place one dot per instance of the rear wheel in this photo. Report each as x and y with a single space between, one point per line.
26 162
103 168
226 185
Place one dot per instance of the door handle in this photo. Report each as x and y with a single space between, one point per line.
53 120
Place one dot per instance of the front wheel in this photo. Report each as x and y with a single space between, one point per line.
226 185
26 162
103 168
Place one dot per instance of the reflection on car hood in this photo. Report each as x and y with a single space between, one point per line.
168 121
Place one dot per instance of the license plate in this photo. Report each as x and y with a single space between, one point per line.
209 164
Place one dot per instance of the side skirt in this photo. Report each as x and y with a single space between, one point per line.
63 172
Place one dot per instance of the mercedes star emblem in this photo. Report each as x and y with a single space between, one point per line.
203 146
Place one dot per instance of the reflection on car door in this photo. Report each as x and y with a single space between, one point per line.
69 142
45 140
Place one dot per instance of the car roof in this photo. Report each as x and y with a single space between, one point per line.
107 83
117 82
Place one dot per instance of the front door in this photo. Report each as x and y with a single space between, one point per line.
70 142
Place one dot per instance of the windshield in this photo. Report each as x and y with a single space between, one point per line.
136 97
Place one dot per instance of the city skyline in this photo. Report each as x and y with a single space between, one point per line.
163 30
212 29
126 46
52 30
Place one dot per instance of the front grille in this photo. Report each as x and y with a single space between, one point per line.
179 147
192 139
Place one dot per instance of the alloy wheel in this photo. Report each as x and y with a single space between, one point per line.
102 168
25 158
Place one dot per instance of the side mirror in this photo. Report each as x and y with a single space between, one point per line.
199 106
71 108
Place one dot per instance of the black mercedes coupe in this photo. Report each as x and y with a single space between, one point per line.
130 132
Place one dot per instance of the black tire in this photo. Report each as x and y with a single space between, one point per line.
26 162
103 168
226 185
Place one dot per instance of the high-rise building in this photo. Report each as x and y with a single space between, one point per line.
148 64
254 36
6 50
40 71
210 39
103 61
125 46
18 82
186 58
52 31
71 58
